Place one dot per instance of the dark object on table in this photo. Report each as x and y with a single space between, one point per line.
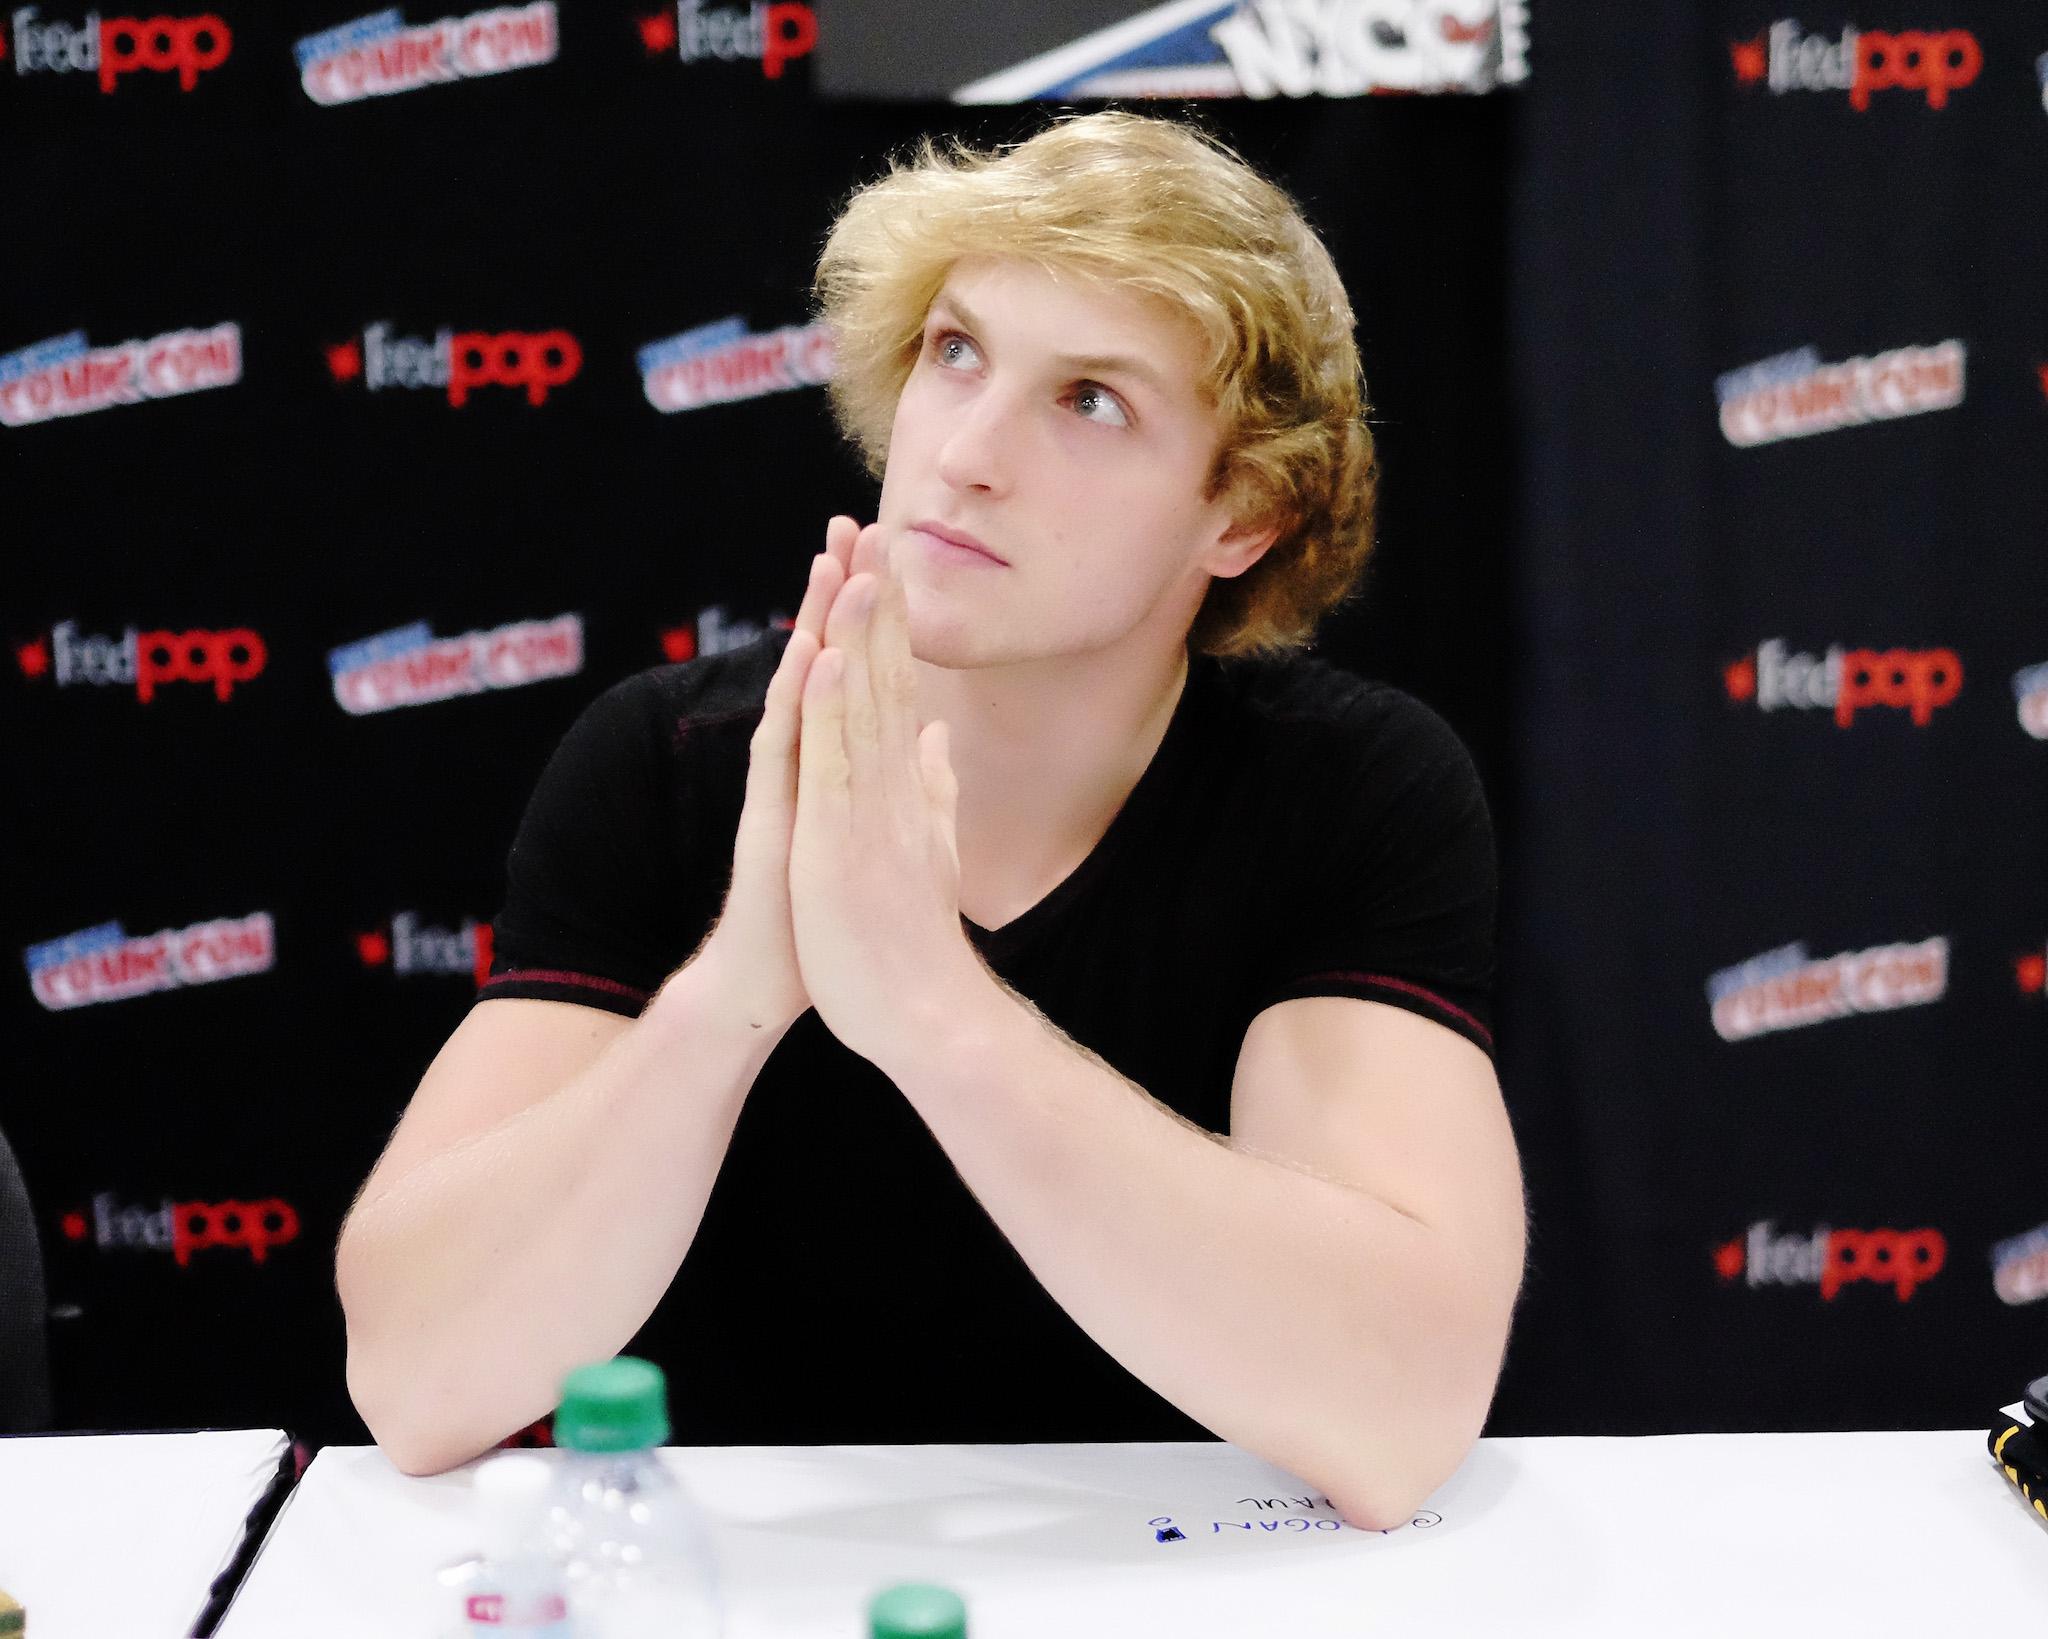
2020 1447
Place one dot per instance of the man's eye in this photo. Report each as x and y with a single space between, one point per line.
1090 394
950 345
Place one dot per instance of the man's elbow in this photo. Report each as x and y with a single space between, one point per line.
1387 1474
413 1439
1390 1491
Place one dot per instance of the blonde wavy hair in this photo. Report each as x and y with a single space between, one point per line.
1155 207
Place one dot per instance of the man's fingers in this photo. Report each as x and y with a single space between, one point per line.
771 761
821 754
891 675
853 624
840 534
868 556
827 576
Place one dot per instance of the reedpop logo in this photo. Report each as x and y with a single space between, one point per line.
1861 62
182 1228
1831 1259
458 361
1918 682
147 660
2030 972
716 632
769 34
109 47
413 947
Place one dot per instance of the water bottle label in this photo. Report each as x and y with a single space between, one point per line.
545 1616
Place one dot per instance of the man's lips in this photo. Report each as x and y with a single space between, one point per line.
958 537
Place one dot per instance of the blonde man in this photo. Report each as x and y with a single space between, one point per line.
1078 995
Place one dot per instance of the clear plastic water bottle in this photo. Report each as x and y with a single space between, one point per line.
512 1586
635 1550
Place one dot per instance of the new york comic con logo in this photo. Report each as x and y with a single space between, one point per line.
1784 989
1831 1259
66 376
111 48
721 362
2019 1267
2030 692
1861 62
381 55
104 964
1794 395
1278 48
458 362
409 666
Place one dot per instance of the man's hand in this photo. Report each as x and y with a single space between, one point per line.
874 867
752 948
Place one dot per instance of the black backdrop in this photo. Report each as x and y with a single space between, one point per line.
1627 612
1699 196
624 196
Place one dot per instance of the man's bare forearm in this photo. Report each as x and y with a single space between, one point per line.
1313 1323
473 1282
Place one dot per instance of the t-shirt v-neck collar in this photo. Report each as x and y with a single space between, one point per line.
1171 752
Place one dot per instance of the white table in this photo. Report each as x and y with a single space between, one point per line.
1755 1534
120 1536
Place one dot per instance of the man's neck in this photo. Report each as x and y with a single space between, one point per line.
1045 755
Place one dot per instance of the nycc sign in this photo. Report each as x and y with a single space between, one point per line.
1278 48
104 964
724 361
65 376
409 666
1794 394
381 55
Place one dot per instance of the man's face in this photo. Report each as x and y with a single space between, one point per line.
1057 422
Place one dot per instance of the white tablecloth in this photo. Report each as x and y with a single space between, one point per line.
119 1536
1799 1535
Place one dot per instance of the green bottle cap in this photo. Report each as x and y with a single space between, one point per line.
916 1610
613 1405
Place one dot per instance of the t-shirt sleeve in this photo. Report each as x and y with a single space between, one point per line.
1395 893
591 867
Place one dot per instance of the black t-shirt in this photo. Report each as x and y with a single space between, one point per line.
1299 832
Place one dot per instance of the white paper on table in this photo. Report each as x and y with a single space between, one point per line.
120 1536
1685 1537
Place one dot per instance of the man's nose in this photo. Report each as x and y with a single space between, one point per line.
980 445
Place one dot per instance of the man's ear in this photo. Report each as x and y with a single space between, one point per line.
1238 548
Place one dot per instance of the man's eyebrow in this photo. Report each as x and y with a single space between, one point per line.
1085 363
